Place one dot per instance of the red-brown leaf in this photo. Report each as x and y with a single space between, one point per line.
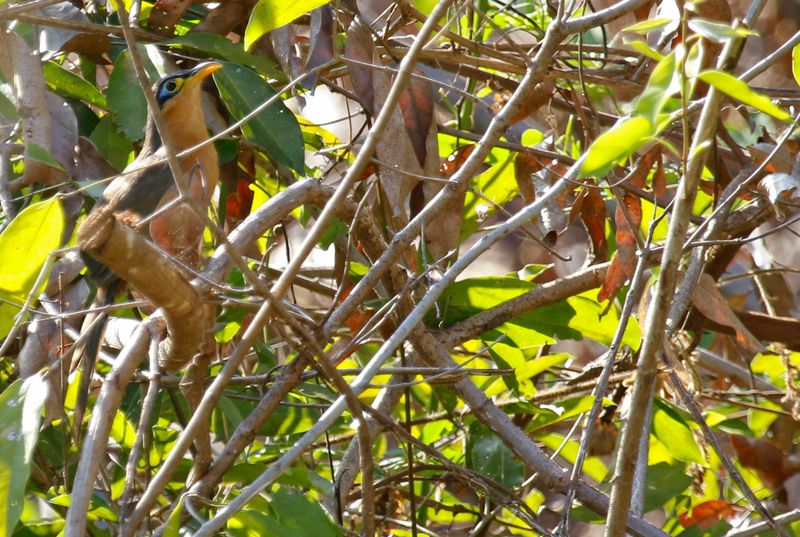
359 47
771 464
624 263
456 159
593 215
524 166
416 106
708 513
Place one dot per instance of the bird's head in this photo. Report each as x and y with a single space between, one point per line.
172 90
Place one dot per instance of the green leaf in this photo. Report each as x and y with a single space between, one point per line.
222 48
550 414
40 154
111 143
276 128
592 466
619 142
664 482
488 455
270 14
301 515
69 84
796 63
252 523
664 82
125 97
645 49
733 87
591 323
20 417
717 32
25 245
575 318
473 295
8 110
647 26
673 433
173 526
497 186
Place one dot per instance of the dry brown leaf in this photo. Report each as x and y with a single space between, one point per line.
782 161
360 48
771 464
593 215
416 106
710 302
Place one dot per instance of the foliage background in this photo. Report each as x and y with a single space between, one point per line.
497 265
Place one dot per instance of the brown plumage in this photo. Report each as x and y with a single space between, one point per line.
139 196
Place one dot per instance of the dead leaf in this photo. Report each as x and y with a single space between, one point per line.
456 159
360 49
782 161
710 302
525 166
320 47
643 12
779 186
705 515
771 464
166 14
416 106
660 179
593 216
624 263
399 167
63 131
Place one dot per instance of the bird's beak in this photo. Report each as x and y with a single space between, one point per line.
202 71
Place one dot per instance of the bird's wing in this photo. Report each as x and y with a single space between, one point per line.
136 194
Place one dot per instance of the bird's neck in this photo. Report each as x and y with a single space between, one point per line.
185 132
188 130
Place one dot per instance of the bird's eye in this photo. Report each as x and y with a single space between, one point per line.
171 86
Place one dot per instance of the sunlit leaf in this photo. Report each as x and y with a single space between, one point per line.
270 14
568 450
733 87
69 84
643 48
619 142
796 63
645 27
25 245
173 526
20 416
670 429
664 82
716 31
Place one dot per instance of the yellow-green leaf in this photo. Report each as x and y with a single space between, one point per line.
619 142
270 14
796 63
733 87
25 245
647 26
670 429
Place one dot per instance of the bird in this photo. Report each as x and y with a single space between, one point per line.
144 197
